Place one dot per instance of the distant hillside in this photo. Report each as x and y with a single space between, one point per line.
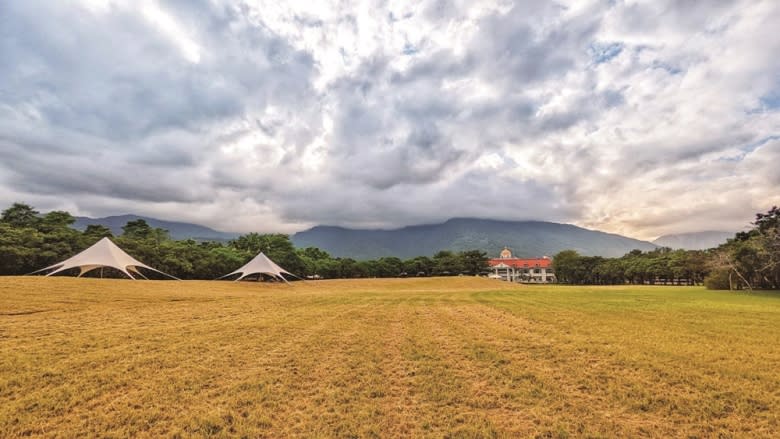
177 230
694 241
525 238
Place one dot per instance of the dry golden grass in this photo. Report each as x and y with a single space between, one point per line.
455 358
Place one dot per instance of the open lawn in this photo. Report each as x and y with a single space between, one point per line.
454 357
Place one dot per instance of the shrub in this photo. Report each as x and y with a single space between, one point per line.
717 280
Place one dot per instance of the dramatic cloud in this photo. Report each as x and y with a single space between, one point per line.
635 117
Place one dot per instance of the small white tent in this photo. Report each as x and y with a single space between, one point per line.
103 253
260 264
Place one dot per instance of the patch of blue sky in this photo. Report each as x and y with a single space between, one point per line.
410 49
766 103
771 101
672 70
750 147
603 52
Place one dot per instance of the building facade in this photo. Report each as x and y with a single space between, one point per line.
530 270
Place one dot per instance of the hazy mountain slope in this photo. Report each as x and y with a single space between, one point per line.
694 241
525 238
177 230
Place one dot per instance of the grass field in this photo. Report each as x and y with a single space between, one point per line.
454 358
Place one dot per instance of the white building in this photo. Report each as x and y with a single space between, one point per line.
531 270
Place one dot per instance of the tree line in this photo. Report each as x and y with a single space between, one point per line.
749 260
659 266
30 241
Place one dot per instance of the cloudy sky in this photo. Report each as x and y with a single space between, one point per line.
635 117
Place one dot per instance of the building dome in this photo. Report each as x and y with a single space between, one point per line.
506 253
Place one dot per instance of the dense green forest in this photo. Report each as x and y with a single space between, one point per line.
30 241
749 260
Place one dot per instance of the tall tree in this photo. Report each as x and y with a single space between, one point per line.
97 231
473 261
446 263
565 264
20 215
419 266
752 258
54 220
137 229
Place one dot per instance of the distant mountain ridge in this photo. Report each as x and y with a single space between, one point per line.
177 230
695 240
525 238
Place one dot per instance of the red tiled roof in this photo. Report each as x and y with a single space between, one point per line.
522 263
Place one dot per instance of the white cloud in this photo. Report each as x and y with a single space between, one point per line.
637 117
167 25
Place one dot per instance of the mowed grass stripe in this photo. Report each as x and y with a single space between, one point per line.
698 368
456 357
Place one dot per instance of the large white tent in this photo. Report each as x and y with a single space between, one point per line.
260 264
103 253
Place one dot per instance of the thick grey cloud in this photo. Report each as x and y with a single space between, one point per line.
635 117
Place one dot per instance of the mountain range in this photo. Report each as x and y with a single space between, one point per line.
177 230
524 238
694 241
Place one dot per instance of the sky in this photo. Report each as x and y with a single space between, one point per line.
641 118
